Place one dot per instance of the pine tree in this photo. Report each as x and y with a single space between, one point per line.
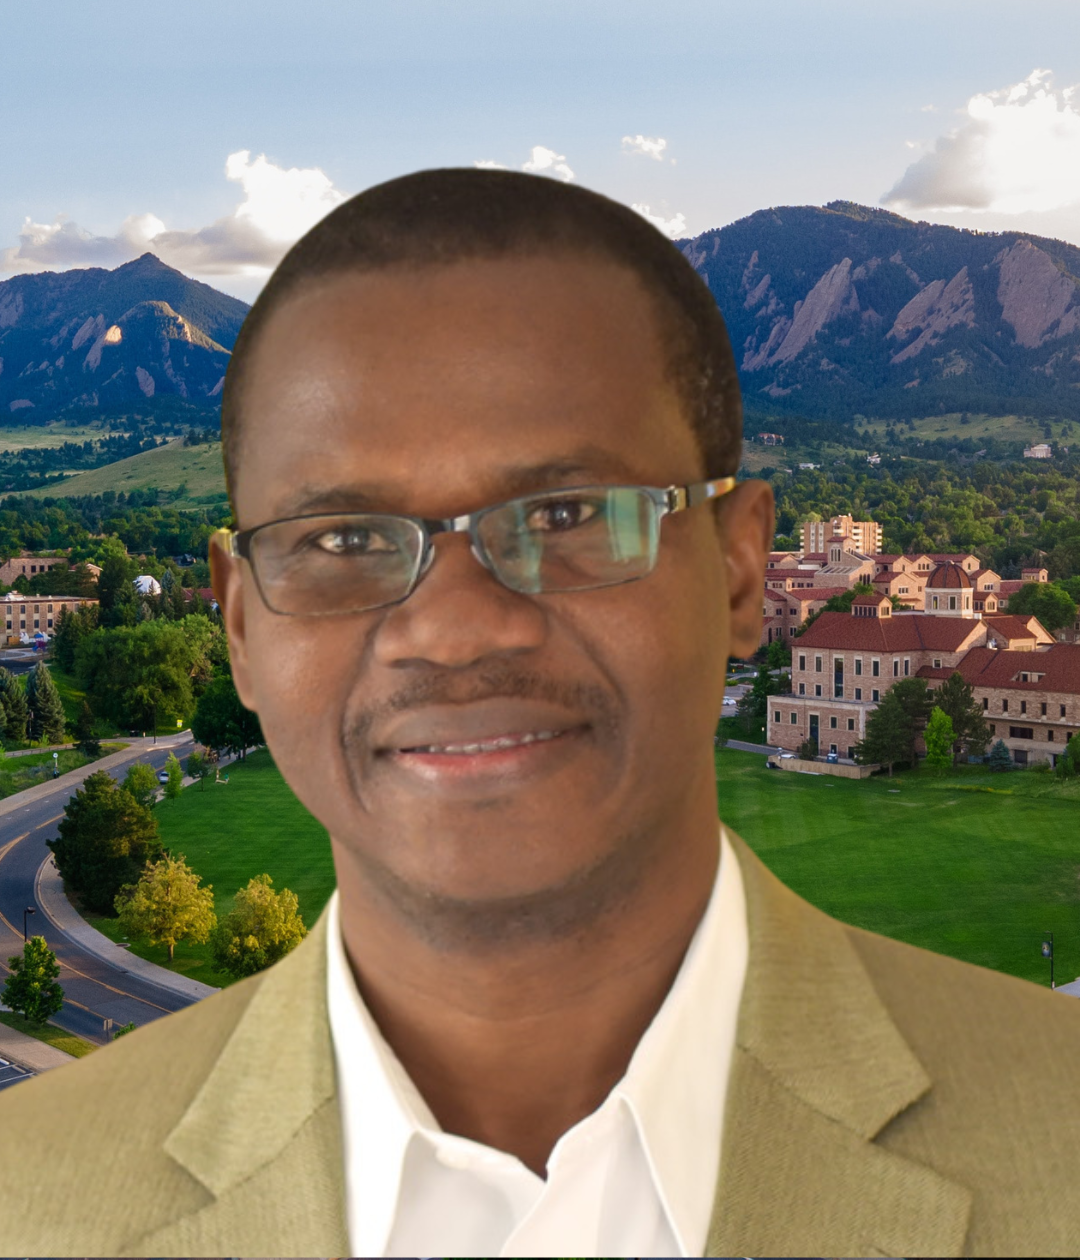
86 732
31 988
939 737
888 734
957 698
16 712
999 758
43 700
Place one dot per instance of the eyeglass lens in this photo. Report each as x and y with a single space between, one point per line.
563 541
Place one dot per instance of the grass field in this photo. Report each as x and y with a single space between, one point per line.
17 773
1004 428
942 863
230 832
973 864
168 468
17 437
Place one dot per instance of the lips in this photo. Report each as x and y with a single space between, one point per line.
495 725
499 744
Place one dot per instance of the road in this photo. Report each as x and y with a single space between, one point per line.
93 990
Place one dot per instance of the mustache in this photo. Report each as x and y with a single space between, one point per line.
587 699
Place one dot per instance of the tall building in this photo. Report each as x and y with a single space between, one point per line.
862 536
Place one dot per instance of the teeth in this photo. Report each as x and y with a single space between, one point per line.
490 745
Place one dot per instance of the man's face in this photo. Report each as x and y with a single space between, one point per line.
435 392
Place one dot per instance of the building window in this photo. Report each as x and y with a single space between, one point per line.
817 664
1021 732
776 715
851 724
817 689
832 748
952 603
875 668
993 729
791 631
838 678
50 608
1023 706
907 666
1004 706
937 662
37 608
986 703
794 719
1050 735
1062 708
896 668
874 695
49 623
1042 709
802 661
802 689
22 623
832 723
858 667
858 693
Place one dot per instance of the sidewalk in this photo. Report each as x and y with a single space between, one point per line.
49 890
28 1052
1072 989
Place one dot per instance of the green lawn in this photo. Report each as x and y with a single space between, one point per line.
187 475
941 863
230 832
17 773
48 1033
974 864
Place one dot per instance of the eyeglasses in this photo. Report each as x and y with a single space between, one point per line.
575 539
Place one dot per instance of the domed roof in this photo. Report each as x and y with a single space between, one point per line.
949 576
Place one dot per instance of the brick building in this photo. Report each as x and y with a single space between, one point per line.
25 615
844 664
27 565
863 536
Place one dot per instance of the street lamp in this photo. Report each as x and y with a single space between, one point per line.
28 910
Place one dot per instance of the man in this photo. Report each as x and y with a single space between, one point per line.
480 434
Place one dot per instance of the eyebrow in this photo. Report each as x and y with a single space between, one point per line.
588 462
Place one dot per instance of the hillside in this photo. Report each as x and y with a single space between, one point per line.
83 341
196 469
845 309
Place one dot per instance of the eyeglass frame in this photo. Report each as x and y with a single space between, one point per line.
666 501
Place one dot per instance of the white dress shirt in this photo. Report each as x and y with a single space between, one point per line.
637 1177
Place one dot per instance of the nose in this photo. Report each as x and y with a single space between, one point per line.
458 614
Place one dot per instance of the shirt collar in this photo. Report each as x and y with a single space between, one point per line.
674 1087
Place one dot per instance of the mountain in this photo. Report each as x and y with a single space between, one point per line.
845 309
95 339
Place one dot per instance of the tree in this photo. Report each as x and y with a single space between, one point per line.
1053 606
132 672
916 700
176 777
32 987
72 626
86 732
48 721
105 839
141 781
221 721
16 714
999 758
1068 763
939 737
167 905
970 730
888 734
777 655
118 599
198 767
261 927
808 749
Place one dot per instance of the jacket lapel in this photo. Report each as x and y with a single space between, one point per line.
819 1071
263 1135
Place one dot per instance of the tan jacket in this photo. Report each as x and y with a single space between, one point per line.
883 1101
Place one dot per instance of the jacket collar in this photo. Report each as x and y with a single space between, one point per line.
819 1070
263 1133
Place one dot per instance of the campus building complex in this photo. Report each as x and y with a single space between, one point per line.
27 615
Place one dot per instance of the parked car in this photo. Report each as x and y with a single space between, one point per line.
163 776
730 702
832 758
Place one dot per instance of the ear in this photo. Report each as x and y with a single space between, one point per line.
226 577
747 519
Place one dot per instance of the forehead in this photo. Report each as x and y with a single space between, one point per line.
436 390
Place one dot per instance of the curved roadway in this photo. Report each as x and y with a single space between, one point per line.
94 991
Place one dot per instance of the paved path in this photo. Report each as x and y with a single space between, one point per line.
96 989
1071 990
27 1055
742 746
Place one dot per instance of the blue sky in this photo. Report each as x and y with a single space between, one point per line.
117 120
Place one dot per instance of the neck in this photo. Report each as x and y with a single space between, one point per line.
513 1046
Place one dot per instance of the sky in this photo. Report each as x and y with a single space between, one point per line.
214 134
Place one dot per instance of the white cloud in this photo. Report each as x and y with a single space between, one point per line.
1017 151
547 162
645 146
673 227
278 207
541 161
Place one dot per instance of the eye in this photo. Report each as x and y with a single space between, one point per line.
559 515
354 540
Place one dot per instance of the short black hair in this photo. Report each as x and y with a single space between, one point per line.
441 217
